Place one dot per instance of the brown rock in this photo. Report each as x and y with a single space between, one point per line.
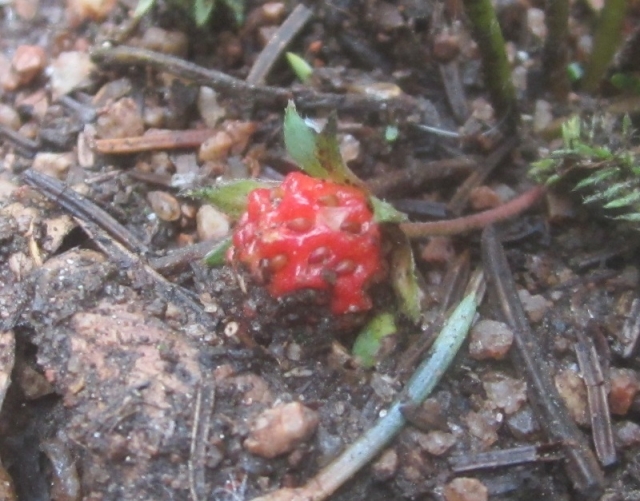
280 429
28 62
216 147
175 43
466 489
121 119
211 223
483 426
82 10
624 385
490 339
9 117
165 206
386 466
437 443
505 392
574 393
484 197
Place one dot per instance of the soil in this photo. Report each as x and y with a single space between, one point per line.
132 370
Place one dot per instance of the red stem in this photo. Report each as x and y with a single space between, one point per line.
475 221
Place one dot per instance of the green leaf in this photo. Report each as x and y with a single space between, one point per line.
369 339
384 212
218 255
143 7
230 196
316 154
202 10
596 178
630 199
300 67
404 278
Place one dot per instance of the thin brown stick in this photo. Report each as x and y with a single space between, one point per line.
205 400
597 398
415 176
506 457
297 20
581 464
475 221
459 200
306 98
82 208
157 140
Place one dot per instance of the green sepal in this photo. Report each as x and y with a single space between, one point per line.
404 278
317 154
218 255
230 196
369 339
384 212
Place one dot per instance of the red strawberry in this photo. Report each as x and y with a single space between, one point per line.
309 233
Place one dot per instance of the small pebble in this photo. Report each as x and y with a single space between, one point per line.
490 339
437 443
9 117
253 388
216 147
280 429
211 223
438 251
174 43
483 197
505 392
535 22
543 115
483 426
240 133
385 466
535 306
574 394
8 78
466 489
28 62
26 9
210 110
523 424
165 206
628 433
82 10
624 385
446 47
349 148
70 71
121 119
53 164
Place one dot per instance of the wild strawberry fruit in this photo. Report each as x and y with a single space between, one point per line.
310 233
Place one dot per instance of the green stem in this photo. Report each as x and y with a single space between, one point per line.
497 72
605 43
